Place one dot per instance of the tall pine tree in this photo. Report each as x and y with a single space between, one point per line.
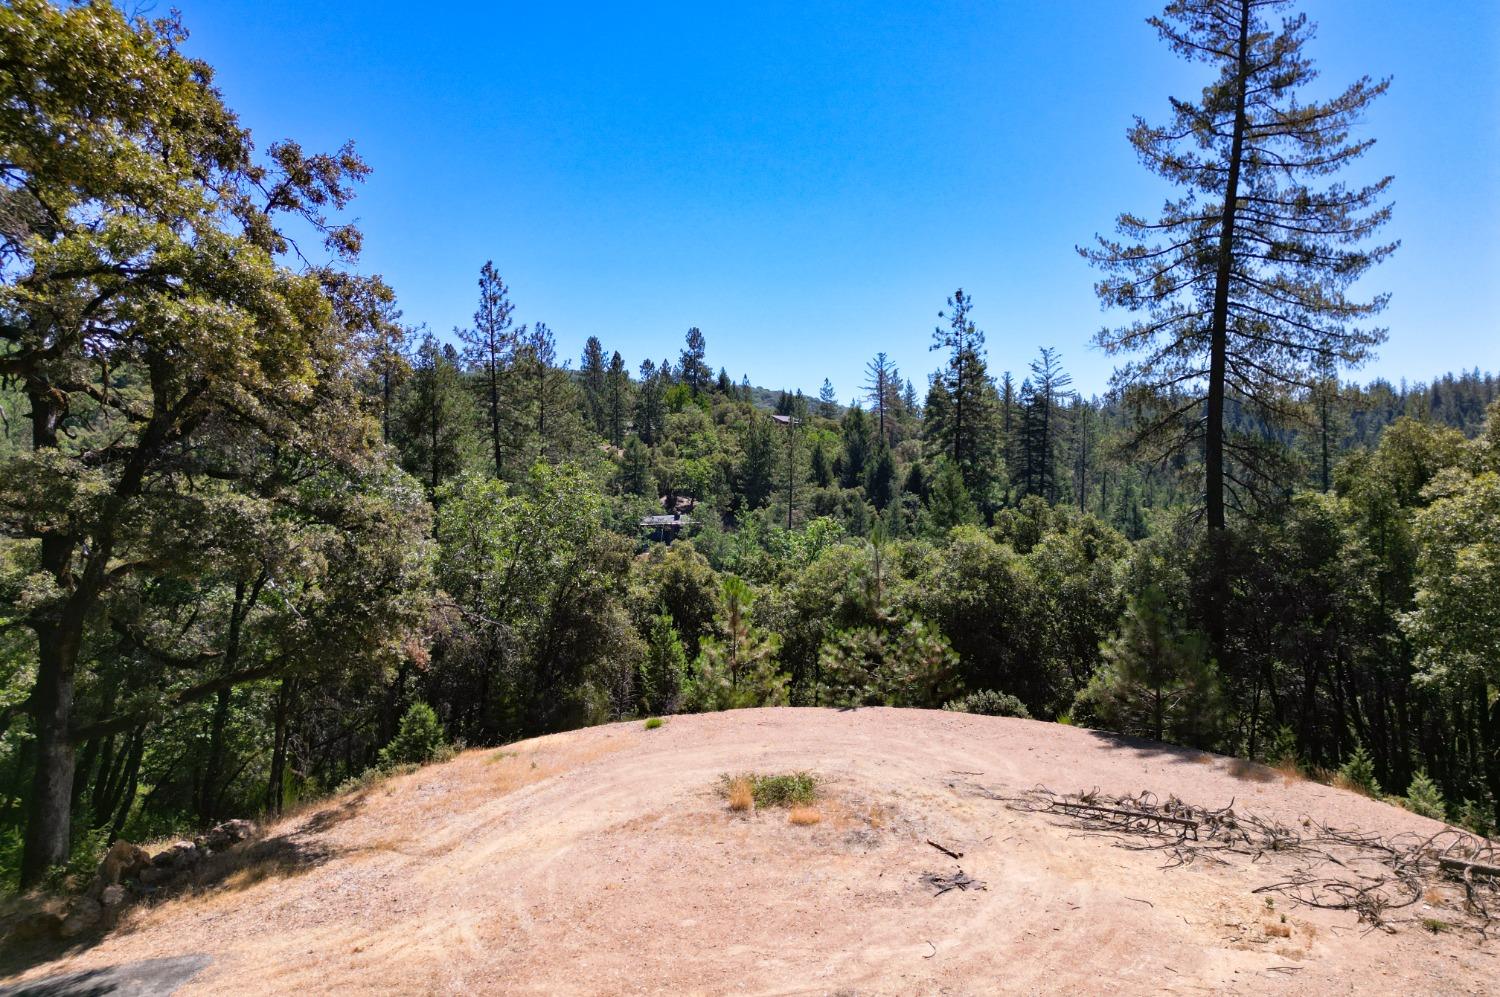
1244 280
489 346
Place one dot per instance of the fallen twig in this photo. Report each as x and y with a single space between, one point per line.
946 851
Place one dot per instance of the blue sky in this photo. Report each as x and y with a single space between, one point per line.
807 181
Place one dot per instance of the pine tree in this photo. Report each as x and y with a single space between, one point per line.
617 399
757 473
489 346
959 421
1424 797
695 373
948 501
1244 280
819 467
1040 396
883 393
635 468
880 485
905 663
827 400
856 431
434 415
1358 772
738 670
591 373
650 413
664 670
1157 680
544 416
390 366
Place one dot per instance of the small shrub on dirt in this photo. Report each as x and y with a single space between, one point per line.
653 722
1424 797
1358 773
804 816
988 703
372 777
1476 816
418 740
1283 755
793 789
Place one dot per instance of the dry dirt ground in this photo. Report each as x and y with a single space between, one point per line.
606 861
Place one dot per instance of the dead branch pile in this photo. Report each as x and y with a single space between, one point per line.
960 880
1454 873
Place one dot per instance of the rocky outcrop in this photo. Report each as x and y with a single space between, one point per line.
129 873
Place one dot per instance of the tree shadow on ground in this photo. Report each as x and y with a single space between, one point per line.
1238 768
1159 750
135 979
254 861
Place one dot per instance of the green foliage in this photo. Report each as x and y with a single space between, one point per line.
664 668
1157 680
652 723
948 501
270 514
1477 816
1358 772
547 634
792 789
1282 750
1456 621
988 703
1424 797
740 670
889 664
420 738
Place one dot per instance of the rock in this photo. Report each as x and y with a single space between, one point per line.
114 901
231 832
154 876
177 855
40 926
123 861
84 916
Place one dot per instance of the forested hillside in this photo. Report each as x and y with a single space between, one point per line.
254 521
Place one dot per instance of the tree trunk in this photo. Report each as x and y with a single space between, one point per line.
208 793
494 373
49 828
1213 444
131 782
276 787
1490 728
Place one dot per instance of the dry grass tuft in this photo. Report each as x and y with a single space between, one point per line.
1290 771
804 816
1340 781
1274 930
1249 771
741 793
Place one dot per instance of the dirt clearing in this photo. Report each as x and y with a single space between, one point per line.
609 861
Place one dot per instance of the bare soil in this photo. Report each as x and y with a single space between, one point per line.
608 861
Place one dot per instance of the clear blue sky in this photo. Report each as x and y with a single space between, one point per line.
807 181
